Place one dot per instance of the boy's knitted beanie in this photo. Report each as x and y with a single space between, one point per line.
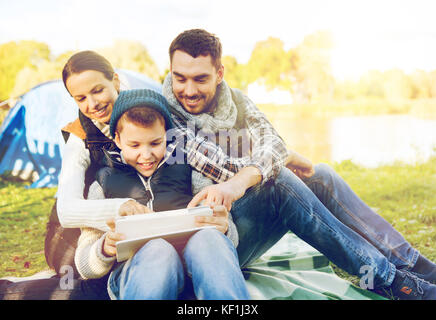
128 99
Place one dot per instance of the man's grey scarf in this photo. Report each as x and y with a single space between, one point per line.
224 111
223 116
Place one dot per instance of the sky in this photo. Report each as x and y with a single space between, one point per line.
381 34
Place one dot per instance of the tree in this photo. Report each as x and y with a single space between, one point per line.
311 61
271 64
235 74
421 84
397 85
15 56
131 55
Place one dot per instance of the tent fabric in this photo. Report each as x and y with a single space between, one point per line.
31 142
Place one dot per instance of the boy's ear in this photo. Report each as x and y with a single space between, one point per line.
117 140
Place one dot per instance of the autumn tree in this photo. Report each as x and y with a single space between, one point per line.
271 64
235 74
131 55
313 76
14 56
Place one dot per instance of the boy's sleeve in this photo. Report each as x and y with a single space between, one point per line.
90 261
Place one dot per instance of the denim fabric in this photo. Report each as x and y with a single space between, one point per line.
341 201
158 272
324 217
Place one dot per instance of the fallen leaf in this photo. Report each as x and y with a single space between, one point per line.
27 264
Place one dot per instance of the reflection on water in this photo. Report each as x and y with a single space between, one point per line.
366 140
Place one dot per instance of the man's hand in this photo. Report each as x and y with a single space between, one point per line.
226 193
218 194
299 165
219 219
132 207
110 241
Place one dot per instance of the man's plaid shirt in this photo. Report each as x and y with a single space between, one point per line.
267 153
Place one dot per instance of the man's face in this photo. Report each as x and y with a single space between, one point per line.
195 81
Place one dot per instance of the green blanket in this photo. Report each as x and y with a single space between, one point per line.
293 270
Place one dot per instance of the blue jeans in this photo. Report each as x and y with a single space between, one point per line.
157 271
324 212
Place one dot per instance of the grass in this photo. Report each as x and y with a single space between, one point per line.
402 194
23 217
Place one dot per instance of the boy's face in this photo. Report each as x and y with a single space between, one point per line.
194 81
143 148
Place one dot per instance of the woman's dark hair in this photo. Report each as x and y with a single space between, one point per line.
87 60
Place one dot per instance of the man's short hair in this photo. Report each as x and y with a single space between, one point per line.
198 42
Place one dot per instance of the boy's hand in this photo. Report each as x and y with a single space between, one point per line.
110 241
220 219
132 207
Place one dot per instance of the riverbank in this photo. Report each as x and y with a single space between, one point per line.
402 194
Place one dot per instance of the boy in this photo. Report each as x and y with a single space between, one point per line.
139 122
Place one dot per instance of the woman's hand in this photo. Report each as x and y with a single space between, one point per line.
132 207
110 241
219 219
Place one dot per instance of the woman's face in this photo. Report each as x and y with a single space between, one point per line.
94 94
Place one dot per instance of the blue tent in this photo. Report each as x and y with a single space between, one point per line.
31 142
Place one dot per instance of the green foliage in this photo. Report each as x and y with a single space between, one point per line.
271 64
235 74
131 55
304 70
14 56
26 64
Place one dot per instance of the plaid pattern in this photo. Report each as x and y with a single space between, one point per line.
293 270
269 150
205 156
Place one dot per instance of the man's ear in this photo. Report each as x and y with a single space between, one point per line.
220 73
116 82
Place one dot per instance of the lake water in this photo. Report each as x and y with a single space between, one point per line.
366 140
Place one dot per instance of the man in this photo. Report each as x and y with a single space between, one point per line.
266 199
